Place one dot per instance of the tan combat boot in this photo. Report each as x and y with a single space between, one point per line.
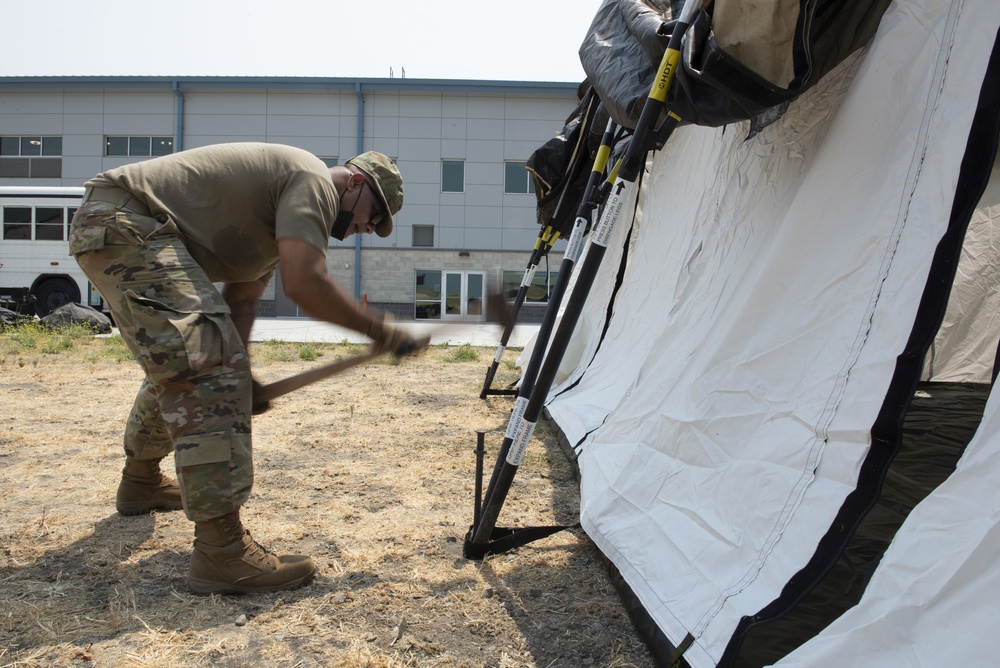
144 488
226 560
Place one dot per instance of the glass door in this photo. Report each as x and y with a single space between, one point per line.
464 293
450 295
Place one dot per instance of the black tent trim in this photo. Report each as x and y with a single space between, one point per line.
886 432
980 154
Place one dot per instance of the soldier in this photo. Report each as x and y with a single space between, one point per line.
154 237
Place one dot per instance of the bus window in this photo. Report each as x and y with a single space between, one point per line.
38 273
16 222
50 224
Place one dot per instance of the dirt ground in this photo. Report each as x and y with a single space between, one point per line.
371 473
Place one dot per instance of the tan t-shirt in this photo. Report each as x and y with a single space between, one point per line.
232 202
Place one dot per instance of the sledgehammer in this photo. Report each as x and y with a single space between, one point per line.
262 394
496 311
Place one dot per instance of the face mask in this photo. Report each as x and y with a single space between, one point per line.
343 222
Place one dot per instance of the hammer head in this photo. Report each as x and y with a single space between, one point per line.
498 310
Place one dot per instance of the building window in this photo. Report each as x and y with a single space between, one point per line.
517 179
329 162
423 236
539 290
30 157
427 304
138 146
453 176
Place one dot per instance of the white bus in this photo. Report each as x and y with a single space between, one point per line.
37 273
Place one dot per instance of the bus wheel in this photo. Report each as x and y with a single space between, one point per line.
52 294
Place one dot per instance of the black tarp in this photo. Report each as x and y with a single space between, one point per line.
626 41
561 166
78 314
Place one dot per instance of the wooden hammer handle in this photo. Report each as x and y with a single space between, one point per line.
266 393
498 311
285 385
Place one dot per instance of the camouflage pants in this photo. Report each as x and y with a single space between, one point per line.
195 399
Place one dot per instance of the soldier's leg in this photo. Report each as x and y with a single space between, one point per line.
146 435
143 486
177 324
202 371
101 237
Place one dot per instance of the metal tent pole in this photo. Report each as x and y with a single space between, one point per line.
590 201
522 424
546 239
543 244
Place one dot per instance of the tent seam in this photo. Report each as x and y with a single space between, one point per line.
837 393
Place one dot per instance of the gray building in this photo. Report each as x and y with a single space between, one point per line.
468 222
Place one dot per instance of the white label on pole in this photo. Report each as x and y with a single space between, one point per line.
520 443
529 276
619 193
499 354
575 240
516 416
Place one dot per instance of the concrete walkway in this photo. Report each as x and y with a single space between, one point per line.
303 330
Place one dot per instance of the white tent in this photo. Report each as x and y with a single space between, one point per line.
724 416
965 348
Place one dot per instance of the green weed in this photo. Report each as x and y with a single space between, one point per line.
56 344
464 353
308 352
32 338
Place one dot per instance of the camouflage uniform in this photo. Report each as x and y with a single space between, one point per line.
154 237
195 399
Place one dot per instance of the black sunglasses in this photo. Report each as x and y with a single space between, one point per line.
378 211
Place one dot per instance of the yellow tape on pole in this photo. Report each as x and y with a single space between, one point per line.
668 68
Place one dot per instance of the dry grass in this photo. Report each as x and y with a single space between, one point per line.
371 473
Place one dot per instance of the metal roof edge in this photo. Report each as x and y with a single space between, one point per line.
329 83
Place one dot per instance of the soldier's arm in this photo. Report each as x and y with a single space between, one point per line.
306 282
242 299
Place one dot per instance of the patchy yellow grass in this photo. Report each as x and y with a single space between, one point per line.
370 472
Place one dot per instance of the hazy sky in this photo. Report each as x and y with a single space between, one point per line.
518 40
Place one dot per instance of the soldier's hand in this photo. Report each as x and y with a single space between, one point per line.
258 407
388 338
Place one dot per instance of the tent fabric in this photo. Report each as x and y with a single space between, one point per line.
723 418
940 522
933 598
938 424
965 348
916 438
739 60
